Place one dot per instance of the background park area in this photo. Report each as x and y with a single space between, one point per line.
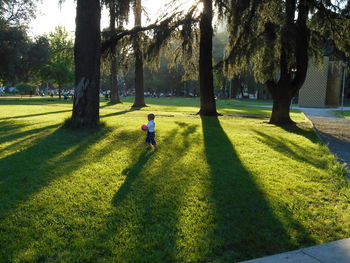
219 189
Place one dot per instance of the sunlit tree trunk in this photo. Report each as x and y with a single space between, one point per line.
87 49
139 88
207 98
113 70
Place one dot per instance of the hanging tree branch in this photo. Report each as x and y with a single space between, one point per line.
160 30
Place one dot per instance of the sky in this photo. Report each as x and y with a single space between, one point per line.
50 15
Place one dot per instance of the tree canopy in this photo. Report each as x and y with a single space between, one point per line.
17 12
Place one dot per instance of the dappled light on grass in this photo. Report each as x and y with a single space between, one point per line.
218 189
17 139
149 203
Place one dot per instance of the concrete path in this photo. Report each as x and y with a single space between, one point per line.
334 252
333 131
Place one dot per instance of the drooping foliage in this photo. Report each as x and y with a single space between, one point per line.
179 32
257 28
276 38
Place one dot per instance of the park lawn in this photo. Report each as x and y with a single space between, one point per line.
344 114
218 190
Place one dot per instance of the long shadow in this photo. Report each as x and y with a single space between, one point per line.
292 150
145 216
10 127
11 130
21 140
110 104
32 101
245 224
131 175
25 172
307 132
119 112
34 115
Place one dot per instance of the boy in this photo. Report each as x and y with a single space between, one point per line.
150 132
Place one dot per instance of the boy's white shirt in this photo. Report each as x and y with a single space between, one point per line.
151 125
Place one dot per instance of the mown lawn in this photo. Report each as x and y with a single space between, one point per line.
345 114
219 189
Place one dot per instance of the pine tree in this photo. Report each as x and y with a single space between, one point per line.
275 39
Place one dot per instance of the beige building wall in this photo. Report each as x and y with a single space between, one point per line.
314 91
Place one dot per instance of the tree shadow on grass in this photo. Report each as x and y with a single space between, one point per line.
33 101
11 131
145 207
56 154
35 115
120 112
131 175
293 150
246 225
299 129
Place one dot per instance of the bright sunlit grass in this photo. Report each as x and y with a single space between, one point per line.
219 189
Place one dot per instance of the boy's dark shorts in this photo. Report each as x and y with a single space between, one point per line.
150 138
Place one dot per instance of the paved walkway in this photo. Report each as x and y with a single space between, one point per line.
335 132
334 252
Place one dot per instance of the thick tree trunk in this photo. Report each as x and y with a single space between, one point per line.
281 108
87 49
113 70
291 79
139 88
207 98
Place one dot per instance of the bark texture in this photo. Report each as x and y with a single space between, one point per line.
139 88
113 70
87 49
294 47
207 98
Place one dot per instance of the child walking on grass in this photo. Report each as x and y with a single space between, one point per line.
150 139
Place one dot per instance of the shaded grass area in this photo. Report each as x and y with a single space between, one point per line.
344 114
219 189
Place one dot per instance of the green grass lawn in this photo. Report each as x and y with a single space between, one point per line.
345 114
218 190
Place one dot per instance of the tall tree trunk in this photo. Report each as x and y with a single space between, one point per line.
139 88
207 98
291 79
113 70
87 53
